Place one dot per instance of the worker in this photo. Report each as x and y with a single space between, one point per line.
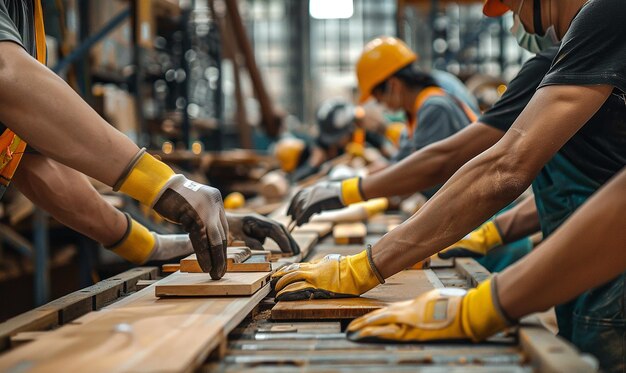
39 108
549 276
386 72
568 141
338 132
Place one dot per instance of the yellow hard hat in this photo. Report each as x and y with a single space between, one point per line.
381 58
494 8
288 152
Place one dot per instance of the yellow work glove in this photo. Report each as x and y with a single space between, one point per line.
476 244
323 197
333 276
197 208
440 314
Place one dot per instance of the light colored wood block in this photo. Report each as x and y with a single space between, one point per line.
201 285
353 233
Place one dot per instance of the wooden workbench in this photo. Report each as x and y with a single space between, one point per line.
231 334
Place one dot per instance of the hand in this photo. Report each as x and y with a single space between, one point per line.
198 208
476 244
169 246
334 276
253 229
440 314
322 197
200 211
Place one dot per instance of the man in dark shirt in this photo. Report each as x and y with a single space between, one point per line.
579 108
39 107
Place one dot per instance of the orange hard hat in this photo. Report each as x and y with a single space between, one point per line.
381 58
494 8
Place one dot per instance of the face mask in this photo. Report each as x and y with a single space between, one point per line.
532 42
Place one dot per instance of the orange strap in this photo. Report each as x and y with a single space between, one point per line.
11 146
429 92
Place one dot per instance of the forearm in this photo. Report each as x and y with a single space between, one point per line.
69 197
586 252
490 178
519 222
43 110
432 165
493 179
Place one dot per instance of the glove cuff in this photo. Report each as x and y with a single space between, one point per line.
481 313
351 191
144 178
370 261
493 238
136 245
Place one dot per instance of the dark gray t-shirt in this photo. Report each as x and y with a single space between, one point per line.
439 117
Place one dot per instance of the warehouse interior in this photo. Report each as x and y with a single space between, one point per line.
312 185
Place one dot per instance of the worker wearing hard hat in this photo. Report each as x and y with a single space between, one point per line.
570 140
386 71
38 107
338 133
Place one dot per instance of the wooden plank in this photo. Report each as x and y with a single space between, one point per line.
233 255
142 284
34 320
549 354
401 286
473 272
25 337
201 285
256 263
353 233
322 228
170 268
140 333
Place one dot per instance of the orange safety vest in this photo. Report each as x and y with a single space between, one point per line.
11 146
429 92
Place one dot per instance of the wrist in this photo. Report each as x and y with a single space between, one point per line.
481 314
136 245
144 178
351 191
493 237
364 273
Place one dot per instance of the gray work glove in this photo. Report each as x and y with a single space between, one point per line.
200 211
314 199
170 246
253 229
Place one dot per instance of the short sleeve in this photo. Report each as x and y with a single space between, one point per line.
437 121
8 31
519 91
594 48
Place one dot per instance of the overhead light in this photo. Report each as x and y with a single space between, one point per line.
331 9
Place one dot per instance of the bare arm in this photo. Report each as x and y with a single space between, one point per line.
519 222
587 251
43 110
69 197
494 178
432 165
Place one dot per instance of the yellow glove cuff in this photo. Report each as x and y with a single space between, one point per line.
491 234
351 191
145 178
364 271
136 245
480 312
